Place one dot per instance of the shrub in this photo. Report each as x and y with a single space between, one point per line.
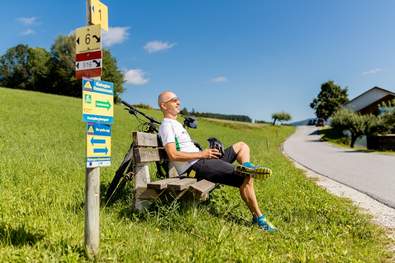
356 123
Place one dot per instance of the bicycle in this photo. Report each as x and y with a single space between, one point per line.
125 172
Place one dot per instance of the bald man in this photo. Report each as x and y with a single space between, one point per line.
185 156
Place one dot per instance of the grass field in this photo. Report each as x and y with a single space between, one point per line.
42 198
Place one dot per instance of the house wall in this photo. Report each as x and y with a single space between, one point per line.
366 99
374 107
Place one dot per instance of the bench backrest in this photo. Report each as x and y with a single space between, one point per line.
148 147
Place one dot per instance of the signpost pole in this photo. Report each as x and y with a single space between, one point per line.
92 196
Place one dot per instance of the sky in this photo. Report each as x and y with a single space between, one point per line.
252 57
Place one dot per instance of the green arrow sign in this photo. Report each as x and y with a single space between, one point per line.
103 104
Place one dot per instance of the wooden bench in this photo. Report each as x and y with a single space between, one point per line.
147 149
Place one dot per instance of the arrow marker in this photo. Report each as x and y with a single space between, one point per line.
78 41
97 38
100 150
97 62
103 104
97 141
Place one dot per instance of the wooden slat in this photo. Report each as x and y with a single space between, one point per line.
151 194
202 187
181 184
146 139
162 184
147 154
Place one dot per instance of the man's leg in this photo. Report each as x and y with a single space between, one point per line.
247 193
242 152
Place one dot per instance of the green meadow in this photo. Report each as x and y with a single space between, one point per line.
42 176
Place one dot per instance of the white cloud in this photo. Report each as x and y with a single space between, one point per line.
372 71
156 46
28 32
115 35
27 20
219 79
135 77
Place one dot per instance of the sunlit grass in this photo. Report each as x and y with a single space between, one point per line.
42 177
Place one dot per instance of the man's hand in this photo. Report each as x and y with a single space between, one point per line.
210 154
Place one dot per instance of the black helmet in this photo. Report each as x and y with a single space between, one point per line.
214 143
190 122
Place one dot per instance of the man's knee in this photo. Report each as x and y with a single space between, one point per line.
240 146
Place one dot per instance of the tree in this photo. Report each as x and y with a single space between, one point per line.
23 67
112 73
62 68
14 67
281 116
329 100
356 123
39 60
184 111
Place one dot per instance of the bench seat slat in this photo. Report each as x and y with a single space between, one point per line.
162 184
181 184
202 187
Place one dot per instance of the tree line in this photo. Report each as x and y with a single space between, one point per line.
28 68
232 117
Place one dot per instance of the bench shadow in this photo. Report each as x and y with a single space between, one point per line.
19 236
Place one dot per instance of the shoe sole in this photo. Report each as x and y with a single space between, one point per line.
260 173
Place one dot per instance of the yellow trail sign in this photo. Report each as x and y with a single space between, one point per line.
99 14
87 38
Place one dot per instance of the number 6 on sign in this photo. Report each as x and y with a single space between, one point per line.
87 38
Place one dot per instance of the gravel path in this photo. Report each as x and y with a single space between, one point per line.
383 214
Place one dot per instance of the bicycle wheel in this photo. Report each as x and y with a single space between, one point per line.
122 175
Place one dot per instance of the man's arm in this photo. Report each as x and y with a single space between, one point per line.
175 155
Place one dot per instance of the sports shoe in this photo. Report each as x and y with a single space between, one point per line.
256 171
264 224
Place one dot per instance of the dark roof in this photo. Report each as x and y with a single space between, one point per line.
389 92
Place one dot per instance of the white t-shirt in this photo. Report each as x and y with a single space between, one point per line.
171 131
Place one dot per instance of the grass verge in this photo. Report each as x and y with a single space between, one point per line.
42 197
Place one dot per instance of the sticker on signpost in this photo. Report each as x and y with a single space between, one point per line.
98 145
97 101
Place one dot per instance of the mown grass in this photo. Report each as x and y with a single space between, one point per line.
42 193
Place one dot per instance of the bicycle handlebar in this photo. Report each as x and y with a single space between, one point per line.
134 111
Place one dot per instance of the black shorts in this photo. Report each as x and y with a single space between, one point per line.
219 170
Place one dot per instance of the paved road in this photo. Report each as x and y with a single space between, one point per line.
370 173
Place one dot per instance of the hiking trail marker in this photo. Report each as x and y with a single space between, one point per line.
97 101
98 145
99 14
87 38
88 64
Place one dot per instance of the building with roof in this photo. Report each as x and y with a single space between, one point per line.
369 101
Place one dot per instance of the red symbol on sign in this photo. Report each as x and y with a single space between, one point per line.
88 64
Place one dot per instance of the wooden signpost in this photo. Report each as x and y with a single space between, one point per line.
97 112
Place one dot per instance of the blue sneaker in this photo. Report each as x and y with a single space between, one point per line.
263 223
256 171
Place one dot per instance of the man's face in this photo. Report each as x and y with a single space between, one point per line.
171 103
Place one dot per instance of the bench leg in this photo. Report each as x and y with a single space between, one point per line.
141 179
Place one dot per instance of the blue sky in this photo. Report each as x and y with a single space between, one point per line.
236 57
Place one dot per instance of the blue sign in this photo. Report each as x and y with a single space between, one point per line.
97 101
98 145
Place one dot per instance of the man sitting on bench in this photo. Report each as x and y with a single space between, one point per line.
185 156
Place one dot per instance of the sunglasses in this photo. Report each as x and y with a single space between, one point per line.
173 99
